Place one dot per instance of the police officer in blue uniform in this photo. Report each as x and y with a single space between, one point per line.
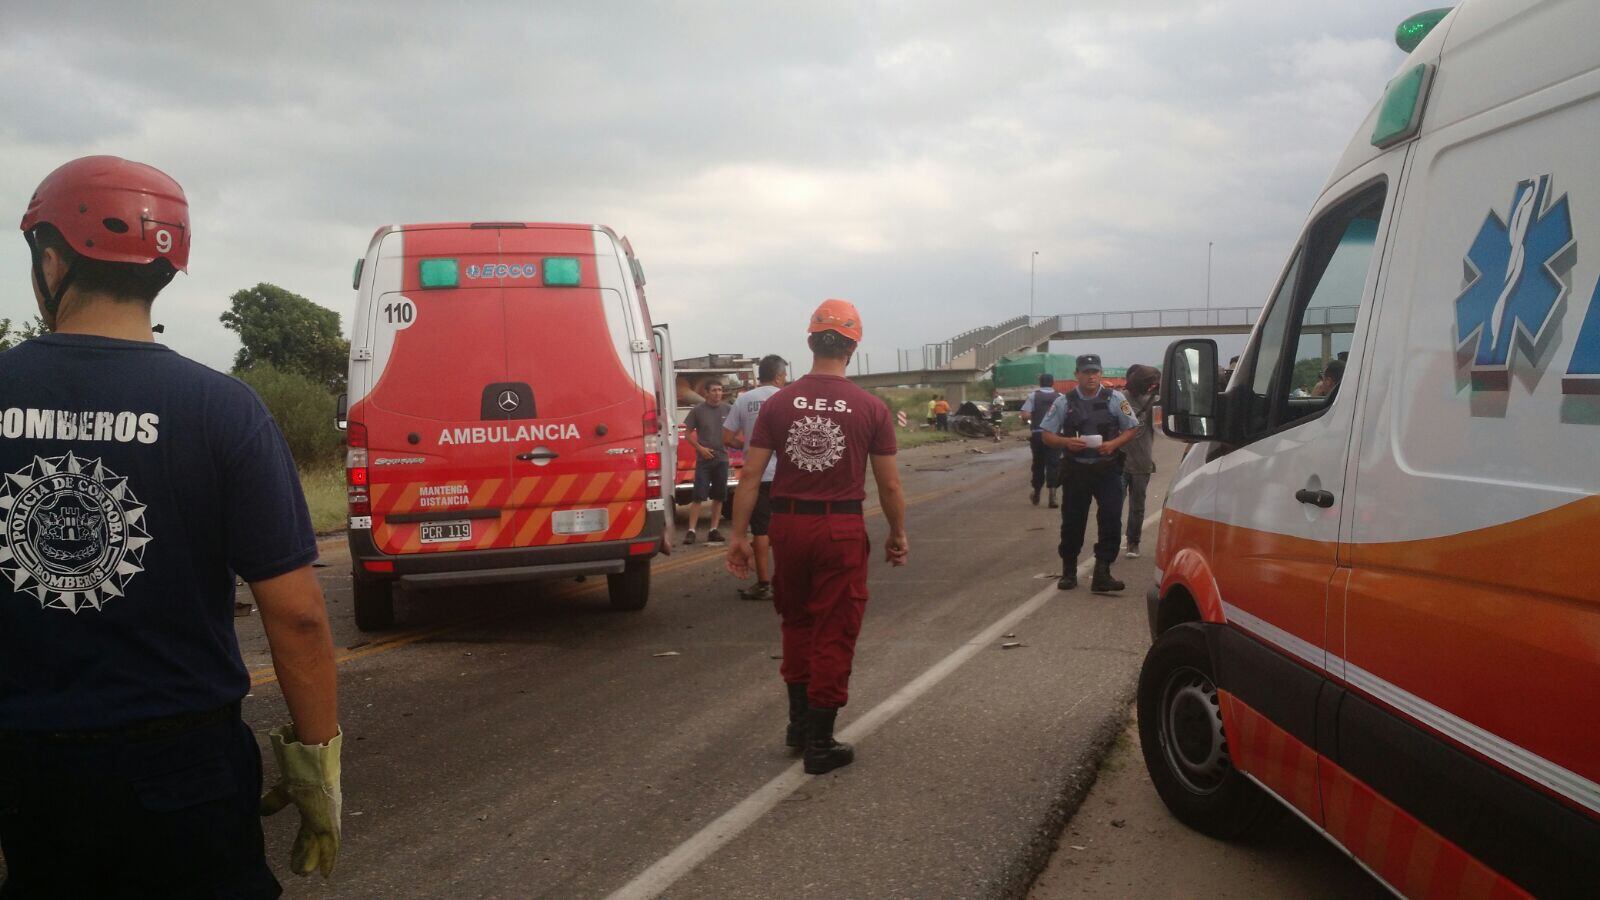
1091 423
134 486
1046 459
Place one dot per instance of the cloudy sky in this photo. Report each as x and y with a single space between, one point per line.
907 155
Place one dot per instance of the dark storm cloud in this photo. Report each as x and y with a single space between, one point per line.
908 155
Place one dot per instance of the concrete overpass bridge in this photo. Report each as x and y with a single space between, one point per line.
968 357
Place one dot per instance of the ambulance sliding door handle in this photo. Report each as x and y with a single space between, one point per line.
1323 499
532 455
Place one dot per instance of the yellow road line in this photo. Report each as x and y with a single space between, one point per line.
266 675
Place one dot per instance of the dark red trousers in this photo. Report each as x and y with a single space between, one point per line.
819 585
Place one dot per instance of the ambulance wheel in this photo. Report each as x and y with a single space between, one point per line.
374 604
1185 748
630 589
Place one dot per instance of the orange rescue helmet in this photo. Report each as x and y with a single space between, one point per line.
837 315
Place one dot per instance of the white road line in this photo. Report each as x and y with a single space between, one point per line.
666 871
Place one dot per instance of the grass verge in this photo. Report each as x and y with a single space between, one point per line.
906 438
325 495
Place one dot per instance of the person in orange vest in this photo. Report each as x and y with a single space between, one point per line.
941 413
824 431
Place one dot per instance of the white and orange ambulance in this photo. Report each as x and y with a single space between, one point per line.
1378 598
505 412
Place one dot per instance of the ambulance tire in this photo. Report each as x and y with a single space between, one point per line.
1185 748
630 589
374 604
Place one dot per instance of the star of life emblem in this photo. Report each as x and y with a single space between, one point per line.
70 533
1514 283
815 443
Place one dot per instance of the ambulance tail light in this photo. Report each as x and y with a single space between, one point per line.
355 470
652 464
652 448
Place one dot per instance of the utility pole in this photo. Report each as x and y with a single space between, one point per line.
1032 264
1208 274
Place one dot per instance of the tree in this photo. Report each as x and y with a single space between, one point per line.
10 337
303 409
1307 372
289 332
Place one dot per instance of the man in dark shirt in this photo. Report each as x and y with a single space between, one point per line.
1046 459
134 485
703 430
1139 454
823 430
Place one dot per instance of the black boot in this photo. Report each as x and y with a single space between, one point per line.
1103 583
1053 503
1068 581
823 753
1035 496
796 736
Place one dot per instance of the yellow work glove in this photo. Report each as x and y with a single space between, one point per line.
308 777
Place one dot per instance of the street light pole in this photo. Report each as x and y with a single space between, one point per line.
1208 274
1032 263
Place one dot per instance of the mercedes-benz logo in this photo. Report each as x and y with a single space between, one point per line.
508 401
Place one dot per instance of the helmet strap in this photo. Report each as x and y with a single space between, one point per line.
52 299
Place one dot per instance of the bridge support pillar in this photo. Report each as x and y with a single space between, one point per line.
1327 346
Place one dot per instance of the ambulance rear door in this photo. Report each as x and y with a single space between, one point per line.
666 404
576 340
440 389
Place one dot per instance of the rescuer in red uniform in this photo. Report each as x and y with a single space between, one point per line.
823 430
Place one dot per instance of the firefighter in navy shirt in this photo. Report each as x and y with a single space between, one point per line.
134 485
824 431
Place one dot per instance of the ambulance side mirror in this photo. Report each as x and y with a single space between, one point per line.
341 413
1189 390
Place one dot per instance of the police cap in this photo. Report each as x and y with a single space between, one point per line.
1089 362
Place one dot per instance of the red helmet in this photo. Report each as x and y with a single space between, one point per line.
115 210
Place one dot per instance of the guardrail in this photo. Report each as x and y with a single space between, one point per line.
989 344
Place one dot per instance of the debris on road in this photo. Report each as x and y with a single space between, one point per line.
667 653
1010 645
1119 823
1077 846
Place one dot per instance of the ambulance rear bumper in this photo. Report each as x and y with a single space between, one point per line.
469 567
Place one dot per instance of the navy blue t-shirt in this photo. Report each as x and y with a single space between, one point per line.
133 484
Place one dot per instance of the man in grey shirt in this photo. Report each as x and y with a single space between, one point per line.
703 429
736 431
1138 462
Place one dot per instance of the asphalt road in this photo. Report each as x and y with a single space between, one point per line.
528 741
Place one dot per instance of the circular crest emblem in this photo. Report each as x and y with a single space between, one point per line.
70 532
815 443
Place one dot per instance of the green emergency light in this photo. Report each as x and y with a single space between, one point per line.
438 273
1409 34
560 271
1400 113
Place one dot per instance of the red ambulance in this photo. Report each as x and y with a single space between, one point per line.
505 404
